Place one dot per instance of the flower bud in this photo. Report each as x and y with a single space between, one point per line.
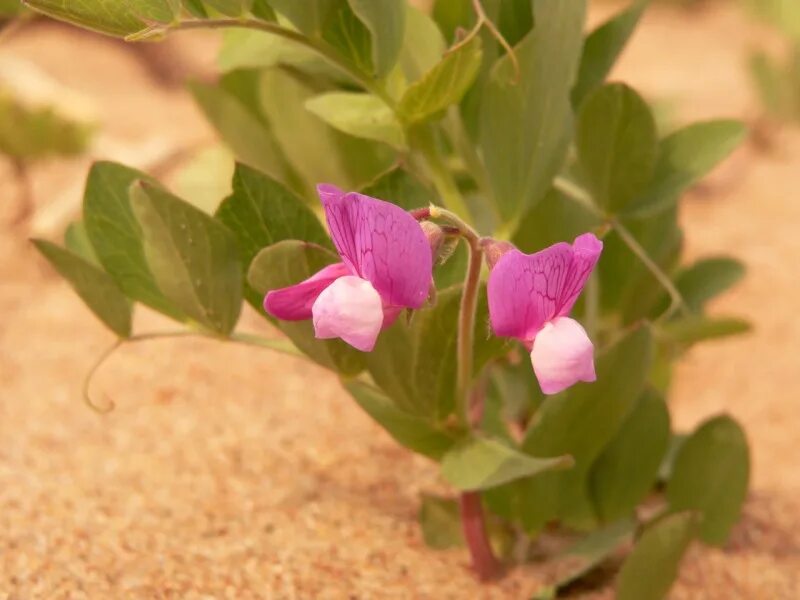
493 250
436 238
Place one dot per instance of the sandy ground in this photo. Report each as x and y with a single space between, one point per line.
262 479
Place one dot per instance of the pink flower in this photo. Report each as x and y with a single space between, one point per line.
386 266
530 298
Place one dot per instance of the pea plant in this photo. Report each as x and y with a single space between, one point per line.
499 285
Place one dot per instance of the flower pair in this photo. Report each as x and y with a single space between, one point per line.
387 264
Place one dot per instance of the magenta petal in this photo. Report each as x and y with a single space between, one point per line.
350 308
527 290
381 243
294 303
562 355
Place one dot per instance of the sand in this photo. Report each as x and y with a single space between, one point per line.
228 472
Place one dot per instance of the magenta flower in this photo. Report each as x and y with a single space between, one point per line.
530 298
386 266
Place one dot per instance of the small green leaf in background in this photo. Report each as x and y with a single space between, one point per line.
710 475
261 9
444 85
261 212
111 17
308 16
348 35
116 235
256 49
707 278
400 187
617 142
230 8
94 286
193 257
482 463
361 115
440 520
451 15
626 470
697 328
423 44
525 125
684 158
413 432
652 567
195 8
602 48
386 21
77 240
289 262
586 555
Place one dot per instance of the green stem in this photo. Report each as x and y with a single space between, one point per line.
676 299
369 84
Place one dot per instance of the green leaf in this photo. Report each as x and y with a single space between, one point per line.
230 8
361 115
400 187
205 179
440 521
443 85
652 567
261 9
386 21
585 555
581 422
249 136
262 212
451 15
617 143
411 431
308 16
697 328
685 157
287 263
193 257
525 125
603 47
93 285
423 44
706 279
482 463
116 235
195 8
113 17
349 36
254 49
710 475
626 470
77 240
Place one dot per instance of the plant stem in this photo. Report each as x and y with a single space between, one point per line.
473 526
361 78
677 301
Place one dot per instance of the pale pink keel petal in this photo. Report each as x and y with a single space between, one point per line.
562 355
381 243
294 303
350 308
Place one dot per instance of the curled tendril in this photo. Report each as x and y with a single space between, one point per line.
87 381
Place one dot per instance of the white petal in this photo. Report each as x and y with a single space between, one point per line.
351 309
562 355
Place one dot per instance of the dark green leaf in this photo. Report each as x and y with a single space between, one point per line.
308 16
349 36
587 554
93 285
413 432
581 422
707 278
262 212
603 47
652 567
196 8
287 263
617 143
483 463
116 235
452 15
710 475
230 8
113 17
698 328
400 187
360 115
440 520
386 21
626 470
77 240
443 85
193 257
525 125
261 9
685 157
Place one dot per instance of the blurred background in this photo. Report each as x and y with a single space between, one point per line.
242 482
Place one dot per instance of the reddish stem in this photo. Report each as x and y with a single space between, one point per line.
484 563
